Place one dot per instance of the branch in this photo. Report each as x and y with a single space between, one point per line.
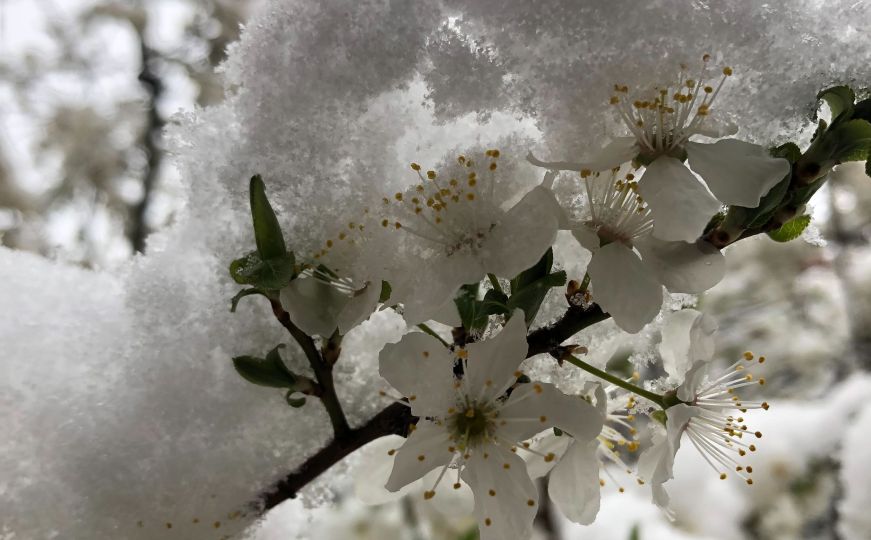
393 420
321 365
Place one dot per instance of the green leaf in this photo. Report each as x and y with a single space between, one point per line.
533 274
471 311
840 100
530 297
790 230
386 291
234 302
852 141
267 231
862 110
789 151
756 217
269 371
266 274
495 303
295 402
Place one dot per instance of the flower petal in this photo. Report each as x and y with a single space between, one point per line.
574 483
689 388
537 406
506 500
359 307
523 235
683 267
586 236
617 152
675 345
373 470
624 287
313 305
736 172
429 441
422 370
536 466
679 203
490 367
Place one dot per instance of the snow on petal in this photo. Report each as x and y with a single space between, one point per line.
736 172
679 203
624 287
683 267
618 151
526 232
574 483
422 370
491 363
537 406
506 500
425 449
313 305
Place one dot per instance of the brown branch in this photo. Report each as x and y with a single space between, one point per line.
393 420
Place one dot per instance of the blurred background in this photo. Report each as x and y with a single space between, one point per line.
87 88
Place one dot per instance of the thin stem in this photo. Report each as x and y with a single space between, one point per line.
495 282
322 368
427 330
613 379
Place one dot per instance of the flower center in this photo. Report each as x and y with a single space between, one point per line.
664 121
472 426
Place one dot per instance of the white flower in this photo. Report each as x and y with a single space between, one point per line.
468 424
575 481
629 265
710 417
341 284
662 123
462 232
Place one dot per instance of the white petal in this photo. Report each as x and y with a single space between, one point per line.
523 235
448 314
679 203
373 470
313 305
491 363
693 379
624 287
656 464
683 267
574 483
508 512
675 345
536 466
617 152
586 236
434 284
420 368
737 172
428 440
359 307
535 407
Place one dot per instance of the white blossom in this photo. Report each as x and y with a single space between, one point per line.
662 123
629 264
468 423
462 232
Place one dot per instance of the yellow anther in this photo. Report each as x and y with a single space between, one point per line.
748 356
492 166
461 159
765 405
549 457
506 466
538 389
421 457
761 359
488 522
431 175
329 243
542 419
614 100
749 481
601 483
457 485
470 196
703 110
530 502
586 173
470 413
727 71
709 89
722 476
397 225
398 196
391 452
427 495
492 492
706 57
384 222
415 167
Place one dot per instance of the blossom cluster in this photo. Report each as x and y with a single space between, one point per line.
479 256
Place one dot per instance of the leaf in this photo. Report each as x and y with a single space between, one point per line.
790 230
267 274
495 303
530 297
789 151
471 311
295 402
269 371
840 100
386 291
862 110
267 231
234 302
533 274
852 141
